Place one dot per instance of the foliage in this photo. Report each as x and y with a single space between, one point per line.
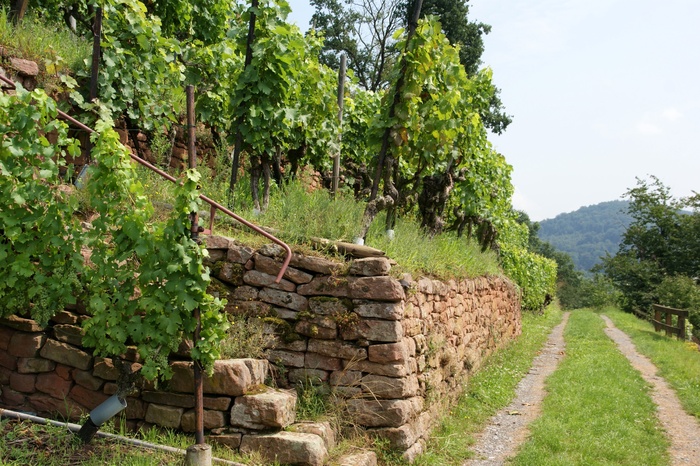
468 37
365 32
534 274
160 261
47 43
41 240
574 289
144 279
662 242
595 399
140 72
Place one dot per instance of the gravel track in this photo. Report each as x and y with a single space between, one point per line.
508 428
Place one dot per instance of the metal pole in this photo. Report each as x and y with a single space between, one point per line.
341 95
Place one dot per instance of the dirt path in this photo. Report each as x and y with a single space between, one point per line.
682 428
508 428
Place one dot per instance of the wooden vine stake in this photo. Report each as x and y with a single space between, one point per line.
199 454
341 98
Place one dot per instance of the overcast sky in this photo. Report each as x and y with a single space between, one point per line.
601 92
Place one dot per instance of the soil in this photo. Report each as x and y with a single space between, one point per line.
683 430
508 429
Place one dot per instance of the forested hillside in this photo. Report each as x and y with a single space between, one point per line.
587 233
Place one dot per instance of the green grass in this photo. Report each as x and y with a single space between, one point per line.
598 410
678 362
490 389
52 46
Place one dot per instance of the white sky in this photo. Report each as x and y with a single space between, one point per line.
601 92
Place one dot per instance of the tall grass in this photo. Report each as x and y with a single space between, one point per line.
46 42
598 409
678 361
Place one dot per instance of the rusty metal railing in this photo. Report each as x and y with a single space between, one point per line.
214 205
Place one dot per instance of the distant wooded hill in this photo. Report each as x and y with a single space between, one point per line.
587 233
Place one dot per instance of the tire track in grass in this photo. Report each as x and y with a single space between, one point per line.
507 429
682 428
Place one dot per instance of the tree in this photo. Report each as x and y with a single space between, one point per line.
364 31
662 241
469 36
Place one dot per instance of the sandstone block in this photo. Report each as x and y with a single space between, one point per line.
66 354
53 385
5 336
245 293
21 324
211 420
370 266
286 358
49 406
34 365
287 448
381 413
366 458
337 349
388 352
388 370
8 361
70 334
271 408
168 399
318 361
377 288
231 377
322 429
230 272
319 327
216 242
346 378
239 254
88 398
374 330
232 441
260 279
65 317
25 383
375 310
24 67
329 306
164 416
285 299
26 345
104 369
315 264
272 267
390 387
219 403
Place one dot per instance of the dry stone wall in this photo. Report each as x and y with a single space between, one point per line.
384 344
387 346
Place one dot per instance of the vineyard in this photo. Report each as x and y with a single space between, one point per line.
416 149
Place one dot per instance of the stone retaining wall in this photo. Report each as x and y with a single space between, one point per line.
384 345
